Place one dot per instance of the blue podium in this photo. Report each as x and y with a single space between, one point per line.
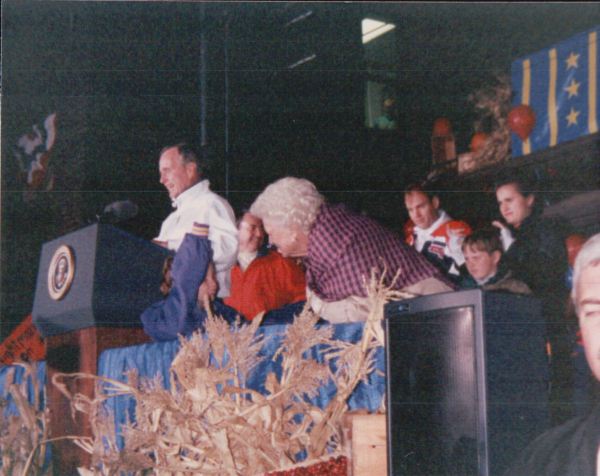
92 286
98 276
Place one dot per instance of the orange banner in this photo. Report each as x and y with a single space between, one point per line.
23 344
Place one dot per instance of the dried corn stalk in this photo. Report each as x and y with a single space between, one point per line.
493 105
23 436
209 422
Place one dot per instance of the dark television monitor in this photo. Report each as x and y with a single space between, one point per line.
467 382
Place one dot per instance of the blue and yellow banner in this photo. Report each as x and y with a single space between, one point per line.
560 83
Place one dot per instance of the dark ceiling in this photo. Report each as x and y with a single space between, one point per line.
135 67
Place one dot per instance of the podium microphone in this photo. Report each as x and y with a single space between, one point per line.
117 212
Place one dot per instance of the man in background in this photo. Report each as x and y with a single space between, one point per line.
433 233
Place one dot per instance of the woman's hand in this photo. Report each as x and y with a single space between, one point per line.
505 234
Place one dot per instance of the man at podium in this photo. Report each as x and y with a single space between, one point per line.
182 174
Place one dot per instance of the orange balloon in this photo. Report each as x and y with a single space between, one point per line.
521 120
478 141
442 127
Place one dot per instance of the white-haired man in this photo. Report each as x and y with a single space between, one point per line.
573 449
339 249
182 174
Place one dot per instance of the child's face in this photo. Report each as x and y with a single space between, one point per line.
481 264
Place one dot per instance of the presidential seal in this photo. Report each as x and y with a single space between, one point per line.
61 272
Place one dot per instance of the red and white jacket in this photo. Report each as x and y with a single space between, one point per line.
441 242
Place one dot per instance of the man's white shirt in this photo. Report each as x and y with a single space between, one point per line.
198 204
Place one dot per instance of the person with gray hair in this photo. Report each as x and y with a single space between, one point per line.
340 249
289 202
183 175
573 449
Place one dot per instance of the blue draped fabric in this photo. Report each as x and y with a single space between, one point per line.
19 373
155 359
17 378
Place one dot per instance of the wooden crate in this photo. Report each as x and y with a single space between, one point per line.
367 438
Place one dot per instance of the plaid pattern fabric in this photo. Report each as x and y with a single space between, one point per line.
343 247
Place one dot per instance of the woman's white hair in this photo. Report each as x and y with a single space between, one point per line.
589 255
289 202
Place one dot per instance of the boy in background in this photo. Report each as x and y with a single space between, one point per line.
482 251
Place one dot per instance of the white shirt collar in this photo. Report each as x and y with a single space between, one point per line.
193 191
245 258
443 218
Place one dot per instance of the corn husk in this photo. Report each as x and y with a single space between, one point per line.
23 436
493 104
210 423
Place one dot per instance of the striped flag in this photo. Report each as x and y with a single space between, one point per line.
560 83
33 150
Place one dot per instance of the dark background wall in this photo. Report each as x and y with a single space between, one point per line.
126 80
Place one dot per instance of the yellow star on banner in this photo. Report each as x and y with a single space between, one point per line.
572 60
572 117
573 88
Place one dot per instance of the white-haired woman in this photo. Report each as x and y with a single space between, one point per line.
340 249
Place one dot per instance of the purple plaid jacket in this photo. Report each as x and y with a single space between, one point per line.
343 247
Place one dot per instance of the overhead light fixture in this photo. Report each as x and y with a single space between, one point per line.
302 61
371 29
304 16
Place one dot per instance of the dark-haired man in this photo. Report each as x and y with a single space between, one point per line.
182 174
433 233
